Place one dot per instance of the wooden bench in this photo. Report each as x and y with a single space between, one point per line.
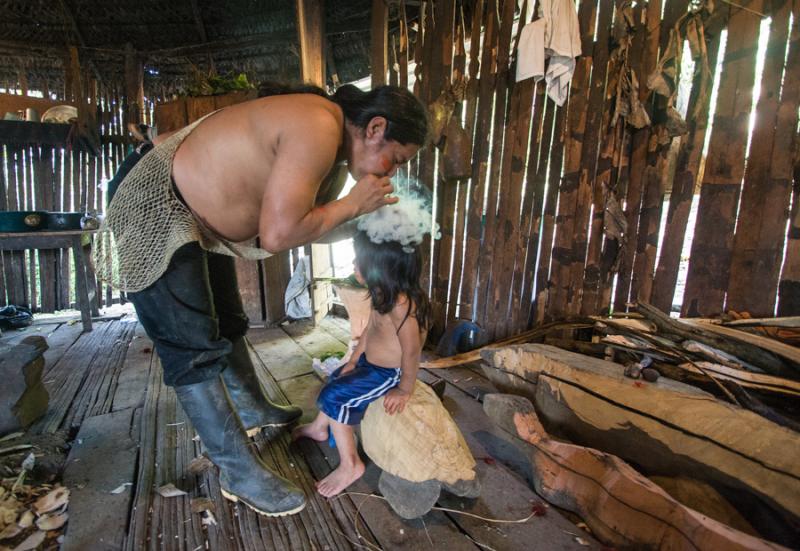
59 240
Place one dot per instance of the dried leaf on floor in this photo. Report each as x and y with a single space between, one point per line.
52 522
9 510
55 499
26 520
10 531
31 542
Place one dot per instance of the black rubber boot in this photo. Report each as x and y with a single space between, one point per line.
243 476
251 403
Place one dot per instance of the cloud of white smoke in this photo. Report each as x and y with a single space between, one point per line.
406 221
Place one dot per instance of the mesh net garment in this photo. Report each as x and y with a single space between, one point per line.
146 223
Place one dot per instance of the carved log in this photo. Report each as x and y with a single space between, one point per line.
666 427
622 507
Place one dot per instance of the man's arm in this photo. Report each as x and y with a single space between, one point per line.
305 154
340 233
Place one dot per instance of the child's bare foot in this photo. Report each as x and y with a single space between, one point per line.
340 479
310 431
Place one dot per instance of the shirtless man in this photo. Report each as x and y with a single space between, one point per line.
250 170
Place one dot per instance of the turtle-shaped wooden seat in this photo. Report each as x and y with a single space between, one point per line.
420 451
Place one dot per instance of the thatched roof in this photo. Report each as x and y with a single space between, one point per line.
257 37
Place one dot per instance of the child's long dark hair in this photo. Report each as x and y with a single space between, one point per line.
389 271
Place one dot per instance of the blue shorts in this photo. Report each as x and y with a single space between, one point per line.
345 398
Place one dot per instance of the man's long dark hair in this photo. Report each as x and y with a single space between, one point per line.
390 271
406 119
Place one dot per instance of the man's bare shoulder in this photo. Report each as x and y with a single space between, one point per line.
299 109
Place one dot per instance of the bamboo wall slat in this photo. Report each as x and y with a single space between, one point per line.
438 79
490 217
646 44
653 177
532 208
709 263
786 143
687 174
507 237
465 186
758 244
789 304
577 116
450 193
480 161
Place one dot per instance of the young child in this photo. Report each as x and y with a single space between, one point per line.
386 359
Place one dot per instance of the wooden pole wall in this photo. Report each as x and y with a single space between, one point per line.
526 240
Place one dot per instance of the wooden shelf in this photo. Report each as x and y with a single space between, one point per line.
40 133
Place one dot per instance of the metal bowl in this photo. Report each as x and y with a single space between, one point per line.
62 221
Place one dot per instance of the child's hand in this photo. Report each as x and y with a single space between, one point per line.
348 367
395 401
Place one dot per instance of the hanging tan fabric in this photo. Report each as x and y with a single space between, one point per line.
457 163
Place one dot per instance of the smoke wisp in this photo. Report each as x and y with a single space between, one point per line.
406 221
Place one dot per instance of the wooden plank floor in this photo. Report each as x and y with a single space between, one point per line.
106 387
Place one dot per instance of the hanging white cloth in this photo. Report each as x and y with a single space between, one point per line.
562 41
530 56
556 37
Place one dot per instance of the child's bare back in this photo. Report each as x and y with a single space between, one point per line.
382 336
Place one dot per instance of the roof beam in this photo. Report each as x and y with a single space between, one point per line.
311 33
252 41
198 21
76 30
379 42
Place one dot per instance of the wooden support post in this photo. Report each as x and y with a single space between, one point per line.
23 80
75 79
311 31
379 39
402 52
134 86
454 196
